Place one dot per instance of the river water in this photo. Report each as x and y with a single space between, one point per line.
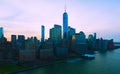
104 63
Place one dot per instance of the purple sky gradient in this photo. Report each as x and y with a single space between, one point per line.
26 16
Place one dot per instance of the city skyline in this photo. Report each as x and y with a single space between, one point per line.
25 18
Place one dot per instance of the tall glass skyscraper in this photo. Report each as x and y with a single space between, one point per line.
42 33
55 33
1 32
65 25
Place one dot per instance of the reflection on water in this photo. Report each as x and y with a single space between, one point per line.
104 63
73 60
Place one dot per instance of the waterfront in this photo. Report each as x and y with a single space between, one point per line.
104 63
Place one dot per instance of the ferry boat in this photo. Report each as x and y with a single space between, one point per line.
88 56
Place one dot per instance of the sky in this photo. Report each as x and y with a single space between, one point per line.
25 17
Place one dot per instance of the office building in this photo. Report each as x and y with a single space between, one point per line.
27 55
80 37
42 33
71 32
65 25
80 43
13 38
1 32
21 38
95 36
46 53
21 41
55 33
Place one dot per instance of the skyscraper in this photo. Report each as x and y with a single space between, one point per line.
55 33
80 37
21 42
13 39
21 38
71 32
42 33
1 32
65 25
94 36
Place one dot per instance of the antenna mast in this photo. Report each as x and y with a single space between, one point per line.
65 7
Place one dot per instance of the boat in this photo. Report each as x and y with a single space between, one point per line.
88 56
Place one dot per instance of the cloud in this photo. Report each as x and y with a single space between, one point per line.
8 11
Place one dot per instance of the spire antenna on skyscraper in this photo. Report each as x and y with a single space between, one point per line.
65 7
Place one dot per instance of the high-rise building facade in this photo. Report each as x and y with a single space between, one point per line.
65 25
21 41
56 33
80 43
21 38
42 33
1 32
80 37
71 32
13 39
95 36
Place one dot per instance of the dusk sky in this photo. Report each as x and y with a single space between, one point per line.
25 17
